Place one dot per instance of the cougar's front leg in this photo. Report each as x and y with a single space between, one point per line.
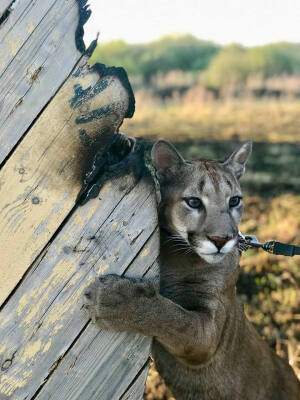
123 304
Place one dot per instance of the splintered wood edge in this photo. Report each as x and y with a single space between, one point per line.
45 205
29 83
38 81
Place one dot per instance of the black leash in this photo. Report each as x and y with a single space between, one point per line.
246 242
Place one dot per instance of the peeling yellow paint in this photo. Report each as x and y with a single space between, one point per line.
91 211
47 346
22 304
5 321
102 269
93 259
57 314
57 328
60 273
90 280
105 187
75 278
145 252
2 348
9 384
114 224
30 27
31 350
27 373
54 317
61 311
14 46
62 270
117 252
54 36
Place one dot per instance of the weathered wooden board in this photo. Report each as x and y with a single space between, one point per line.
51 249
37 53
138 385
23 17
41 322
110 361
40 181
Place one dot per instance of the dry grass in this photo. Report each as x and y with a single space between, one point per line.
269 285
155 387
189 118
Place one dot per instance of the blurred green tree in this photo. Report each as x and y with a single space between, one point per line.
218 66
234 63
183 52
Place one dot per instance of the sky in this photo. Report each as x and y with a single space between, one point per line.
249 22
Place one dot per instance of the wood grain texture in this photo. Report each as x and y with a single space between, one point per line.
138 385
15 30
40 181
51 249
42 320
111 361
38 52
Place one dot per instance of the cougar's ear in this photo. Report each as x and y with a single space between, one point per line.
238 159
166 159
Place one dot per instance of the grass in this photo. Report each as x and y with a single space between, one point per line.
268 284
268 121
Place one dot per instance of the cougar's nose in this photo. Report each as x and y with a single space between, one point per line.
219 241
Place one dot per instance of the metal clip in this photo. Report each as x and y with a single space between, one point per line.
269 246
249 241
246 242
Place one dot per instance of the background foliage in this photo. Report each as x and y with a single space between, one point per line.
214 66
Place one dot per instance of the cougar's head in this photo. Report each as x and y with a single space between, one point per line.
201 201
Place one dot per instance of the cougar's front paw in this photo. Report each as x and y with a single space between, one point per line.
99 299
114 301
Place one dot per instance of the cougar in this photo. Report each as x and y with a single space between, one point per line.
204 347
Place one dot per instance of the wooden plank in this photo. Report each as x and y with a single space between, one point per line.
114 359
136 390
61 247
38 52
111 361
40 181
104 236
24 16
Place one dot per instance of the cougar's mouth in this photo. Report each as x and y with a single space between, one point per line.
211 253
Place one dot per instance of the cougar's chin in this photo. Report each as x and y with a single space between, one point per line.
209 252
212 258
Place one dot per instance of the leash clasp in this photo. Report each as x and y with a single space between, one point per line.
269 246
249 241
246 242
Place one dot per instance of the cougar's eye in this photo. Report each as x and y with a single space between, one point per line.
193 202
234 201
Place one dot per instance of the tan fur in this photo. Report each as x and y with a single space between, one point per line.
204 347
